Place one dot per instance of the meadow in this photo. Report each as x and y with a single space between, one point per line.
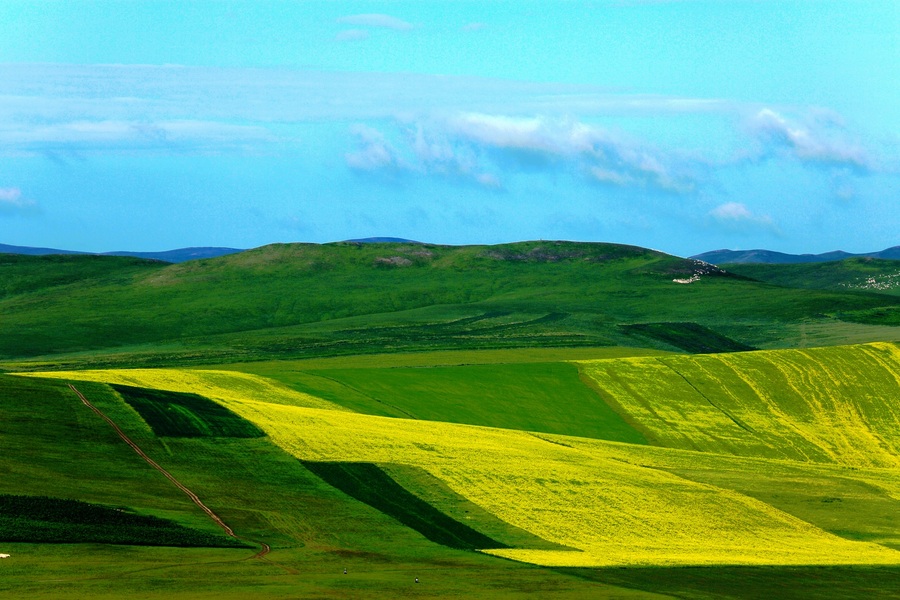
307 301
544 419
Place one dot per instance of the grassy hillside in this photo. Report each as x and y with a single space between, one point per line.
313 300
609 501
53 446
832 405
864 274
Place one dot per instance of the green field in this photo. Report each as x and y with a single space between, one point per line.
306 300
544 420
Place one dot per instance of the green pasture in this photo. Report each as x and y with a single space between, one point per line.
862 274
555 338
309 301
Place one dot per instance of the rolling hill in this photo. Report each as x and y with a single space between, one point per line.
170 256
542 419
860 274
351 298
723 257
785 459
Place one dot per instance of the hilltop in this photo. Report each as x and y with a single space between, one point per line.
350 298
172 256
723 257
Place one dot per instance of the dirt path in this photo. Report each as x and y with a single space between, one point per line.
264 548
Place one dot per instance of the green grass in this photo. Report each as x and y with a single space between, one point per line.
862 274
753 583
369 484
305 300
177 414
689 337
62 448
543 397
38 519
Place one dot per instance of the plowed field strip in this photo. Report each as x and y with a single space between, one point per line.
264 548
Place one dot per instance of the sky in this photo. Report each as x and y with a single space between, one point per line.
683 126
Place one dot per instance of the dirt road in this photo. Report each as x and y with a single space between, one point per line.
264 548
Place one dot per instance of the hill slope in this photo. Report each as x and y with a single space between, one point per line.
861 274
304 299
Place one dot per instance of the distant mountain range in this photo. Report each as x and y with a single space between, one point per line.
721 257
172 256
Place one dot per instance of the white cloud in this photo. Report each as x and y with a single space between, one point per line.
821 138
475 146
373 152
45 93
351 35
12 202
606 157
476 26
735 215
377 20
106 135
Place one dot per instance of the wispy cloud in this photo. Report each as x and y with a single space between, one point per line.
736 216
478 147
376 20
90 136
819 138
374 152
421 154
476 26
13 203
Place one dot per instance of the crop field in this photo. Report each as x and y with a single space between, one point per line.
835 405
607 503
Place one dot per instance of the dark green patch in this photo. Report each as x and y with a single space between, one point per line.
690 337
752 583
38 519
369 484
176 414
888 315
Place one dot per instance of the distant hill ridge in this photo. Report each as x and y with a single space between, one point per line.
171 256
721 257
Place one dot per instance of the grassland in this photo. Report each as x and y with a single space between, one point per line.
477 417
863 274
342 299
38 519
598 498
54 446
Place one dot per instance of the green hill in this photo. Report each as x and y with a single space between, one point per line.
880 276
349 298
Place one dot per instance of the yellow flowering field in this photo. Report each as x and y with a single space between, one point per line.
587 495
834 405
216 385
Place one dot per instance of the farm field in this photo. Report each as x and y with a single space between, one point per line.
589 440
690 500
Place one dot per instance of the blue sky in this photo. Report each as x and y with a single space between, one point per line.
683 126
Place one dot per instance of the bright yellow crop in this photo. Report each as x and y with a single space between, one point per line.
834 405
584 494
217 385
